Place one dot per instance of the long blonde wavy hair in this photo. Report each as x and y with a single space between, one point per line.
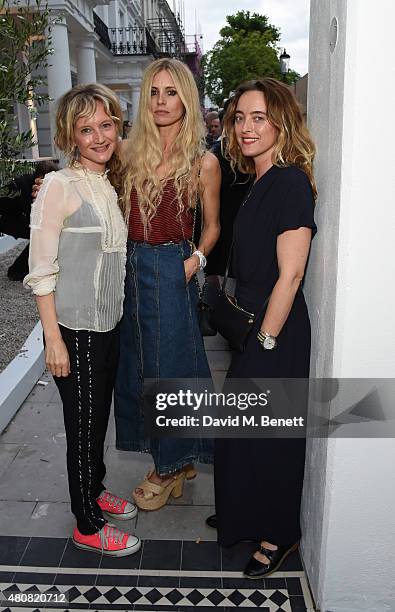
143 152
294 145
81 101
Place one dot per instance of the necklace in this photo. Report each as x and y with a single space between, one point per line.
248 195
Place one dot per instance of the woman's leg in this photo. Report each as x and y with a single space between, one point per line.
111 349
172 348
86 395
86 407
180 352
128 392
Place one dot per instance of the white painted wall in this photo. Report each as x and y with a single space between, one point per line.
20 376
7 243
349 496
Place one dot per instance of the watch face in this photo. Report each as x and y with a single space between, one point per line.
269 343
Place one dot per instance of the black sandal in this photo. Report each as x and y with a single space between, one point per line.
256 569
211 521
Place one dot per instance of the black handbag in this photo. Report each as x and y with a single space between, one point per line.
205 306
232 321
206 299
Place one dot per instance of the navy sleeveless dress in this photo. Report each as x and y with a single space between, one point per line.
258 482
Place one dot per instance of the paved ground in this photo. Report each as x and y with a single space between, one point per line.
180 565
34 497
18 312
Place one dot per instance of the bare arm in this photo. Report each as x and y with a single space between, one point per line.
48 213
209 187
292 252
56 354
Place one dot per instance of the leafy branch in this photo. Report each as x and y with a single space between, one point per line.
24 51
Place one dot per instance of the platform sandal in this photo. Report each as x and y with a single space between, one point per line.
156 496
190 472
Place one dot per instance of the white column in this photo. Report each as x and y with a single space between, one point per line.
348 516
28 122
135 100
86 63
59 73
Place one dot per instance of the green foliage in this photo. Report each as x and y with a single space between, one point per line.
246 50
245 23
24 51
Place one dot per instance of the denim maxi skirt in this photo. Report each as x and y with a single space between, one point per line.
160 338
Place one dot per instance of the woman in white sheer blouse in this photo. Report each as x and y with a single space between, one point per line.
77 271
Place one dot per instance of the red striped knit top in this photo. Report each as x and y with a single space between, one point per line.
167 225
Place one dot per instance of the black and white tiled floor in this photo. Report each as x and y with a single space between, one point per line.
49 573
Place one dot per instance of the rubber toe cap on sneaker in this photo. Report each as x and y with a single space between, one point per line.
134 543
130 510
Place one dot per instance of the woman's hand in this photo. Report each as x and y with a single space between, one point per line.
57 358
56 354
36 187
191 266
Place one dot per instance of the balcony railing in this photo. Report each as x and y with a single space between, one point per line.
101 30
132 41
141 40
169 35
151 44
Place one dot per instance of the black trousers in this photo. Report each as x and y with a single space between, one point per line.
20 267
86 395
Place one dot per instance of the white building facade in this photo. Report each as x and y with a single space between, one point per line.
108 42
348 516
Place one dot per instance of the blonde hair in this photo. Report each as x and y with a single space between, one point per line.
143 152
81 101
294 145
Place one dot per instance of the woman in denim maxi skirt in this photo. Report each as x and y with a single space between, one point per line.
167 170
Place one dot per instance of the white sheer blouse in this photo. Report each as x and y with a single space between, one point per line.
78 248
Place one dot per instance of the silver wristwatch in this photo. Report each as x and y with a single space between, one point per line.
202 259
267 341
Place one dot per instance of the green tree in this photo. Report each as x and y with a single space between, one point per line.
24 50
247 49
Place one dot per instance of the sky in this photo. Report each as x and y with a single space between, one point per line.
291 16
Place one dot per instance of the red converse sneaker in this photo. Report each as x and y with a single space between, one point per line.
115 507
108 541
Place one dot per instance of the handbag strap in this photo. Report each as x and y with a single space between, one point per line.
225 279
197 202
227 269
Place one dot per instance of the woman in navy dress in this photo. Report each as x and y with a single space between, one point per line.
258 482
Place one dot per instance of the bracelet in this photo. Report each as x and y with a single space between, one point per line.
202 259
